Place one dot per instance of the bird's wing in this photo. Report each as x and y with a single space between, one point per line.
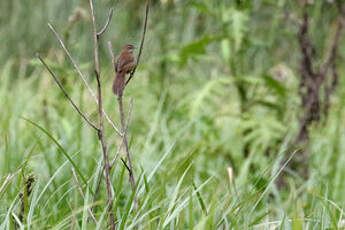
122 63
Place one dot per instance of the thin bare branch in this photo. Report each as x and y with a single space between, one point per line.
125 141
95 40
111 11
101 120
116 154
111 51
122 115
74 63
128 154
110 47
75 177
82 76
66 94
142 41
122 142
100 175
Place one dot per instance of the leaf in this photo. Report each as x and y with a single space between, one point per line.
201 201
130 203
275 85
196 48
61 149
258 219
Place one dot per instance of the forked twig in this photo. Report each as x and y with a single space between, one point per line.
142 41
66 94
82 76
100 175
111 11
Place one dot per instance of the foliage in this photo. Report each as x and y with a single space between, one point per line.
217 89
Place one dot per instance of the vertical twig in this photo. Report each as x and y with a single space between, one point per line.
99 179
119 98
100 117
125 141
127 124
123 126
142 40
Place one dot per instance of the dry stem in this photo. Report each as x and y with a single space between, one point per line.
111 11
125 141
100 117
99 179
142 41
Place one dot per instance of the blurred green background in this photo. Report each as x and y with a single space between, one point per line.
216 88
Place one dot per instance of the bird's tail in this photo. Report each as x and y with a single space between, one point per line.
119 83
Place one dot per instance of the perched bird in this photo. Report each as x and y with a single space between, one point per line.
125 64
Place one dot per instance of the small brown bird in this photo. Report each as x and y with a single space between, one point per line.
125 64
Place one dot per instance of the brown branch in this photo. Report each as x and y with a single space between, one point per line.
123 130
75 177
142 41
100 117
123 126
110 47
305 44
81 75
66 94
122 142
111 11
100 176
125 141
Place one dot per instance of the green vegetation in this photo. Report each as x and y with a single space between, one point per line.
215 116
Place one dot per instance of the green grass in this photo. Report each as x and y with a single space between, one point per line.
180 167
206 102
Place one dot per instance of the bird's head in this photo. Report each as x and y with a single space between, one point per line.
129 48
